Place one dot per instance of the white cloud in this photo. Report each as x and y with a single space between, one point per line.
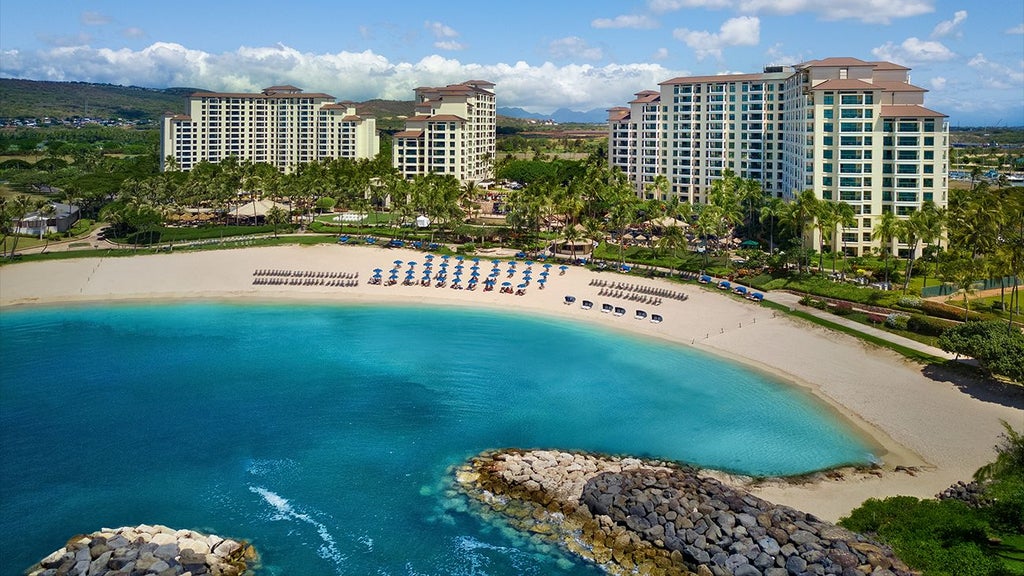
448 45
947 27
672 5
445 36
660 54
94 19
912 51
742 31
870 11
938 83
57 40
345 75
440 30
634 21
574 47
133 32
1018 29
996 75
776 57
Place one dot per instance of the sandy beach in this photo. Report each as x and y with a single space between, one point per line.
943 429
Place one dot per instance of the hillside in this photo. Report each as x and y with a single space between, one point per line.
36 99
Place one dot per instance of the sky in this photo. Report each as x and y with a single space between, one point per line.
541 54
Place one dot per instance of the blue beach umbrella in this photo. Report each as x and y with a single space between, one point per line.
459 258
563 267
444 257
475 260
398 262
429 257
521 286
411 263
475 274
376 275
494 273
529 263
495 261
506 283
542 281
377 270
544 274
459 266
547 265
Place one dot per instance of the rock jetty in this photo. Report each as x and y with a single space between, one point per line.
634 516
147 549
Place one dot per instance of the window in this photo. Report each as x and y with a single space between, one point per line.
828 99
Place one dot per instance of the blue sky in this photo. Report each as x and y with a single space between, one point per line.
542 55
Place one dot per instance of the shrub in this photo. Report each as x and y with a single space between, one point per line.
939 537
998 350
946 311
909 302
897 321
842 308
876 318
928 326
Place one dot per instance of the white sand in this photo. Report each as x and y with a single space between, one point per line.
945 430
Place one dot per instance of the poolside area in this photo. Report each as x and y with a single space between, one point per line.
937 431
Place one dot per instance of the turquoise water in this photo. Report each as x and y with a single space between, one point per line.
323 434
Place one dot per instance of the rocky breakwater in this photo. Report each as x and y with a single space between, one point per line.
147 549
632 516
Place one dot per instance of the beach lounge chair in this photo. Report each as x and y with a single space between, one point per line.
586 304
640 315
756 296
656 318
725 285
570 299
741 290
606 308
619 311
703 279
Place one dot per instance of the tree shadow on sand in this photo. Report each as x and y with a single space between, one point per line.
977 385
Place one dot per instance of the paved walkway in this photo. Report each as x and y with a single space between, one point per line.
793 301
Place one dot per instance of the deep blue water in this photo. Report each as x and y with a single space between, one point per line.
323 434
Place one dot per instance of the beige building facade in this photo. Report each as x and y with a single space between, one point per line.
281 126
850 130
453 132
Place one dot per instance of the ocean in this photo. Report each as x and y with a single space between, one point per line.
325 435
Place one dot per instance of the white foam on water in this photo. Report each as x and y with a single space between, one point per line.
283 510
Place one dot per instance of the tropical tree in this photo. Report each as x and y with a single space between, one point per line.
770 212
797 215
886 228
277 217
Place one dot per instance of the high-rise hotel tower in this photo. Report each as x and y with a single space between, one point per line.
453 132
849 130
282 126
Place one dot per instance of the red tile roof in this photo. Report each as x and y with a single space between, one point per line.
909 111
899 87
713 79
847 84
409 134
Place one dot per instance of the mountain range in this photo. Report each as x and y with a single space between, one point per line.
38 99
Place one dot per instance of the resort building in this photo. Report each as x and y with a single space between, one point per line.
282 126
453 132
850 130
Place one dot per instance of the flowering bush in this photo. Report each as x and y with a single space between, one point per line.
897 321
910 302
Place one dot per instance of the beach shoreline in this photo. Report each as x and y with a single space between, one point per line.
929 433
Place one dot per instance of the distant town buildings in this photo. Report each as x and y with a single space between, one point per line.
850 130
282 126
453 132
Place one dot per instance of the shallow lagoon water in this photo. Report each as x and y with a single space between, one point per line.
324 434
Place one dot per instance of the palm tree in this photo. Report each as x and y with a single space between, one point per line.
847 218
797 214
771 211
885 230
751 196
673 238
21 206
962 270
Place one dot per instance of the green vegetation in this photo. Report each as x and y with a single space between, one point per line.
37 99
954 538
997 347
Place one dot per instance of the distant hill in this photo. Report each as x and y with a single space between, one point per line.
562 115
38 99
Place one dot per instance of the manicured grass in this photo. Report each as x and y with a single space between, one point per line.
1011 552
164 235
909 353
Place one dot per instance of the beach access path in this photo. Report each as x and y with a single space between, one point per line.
930 428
